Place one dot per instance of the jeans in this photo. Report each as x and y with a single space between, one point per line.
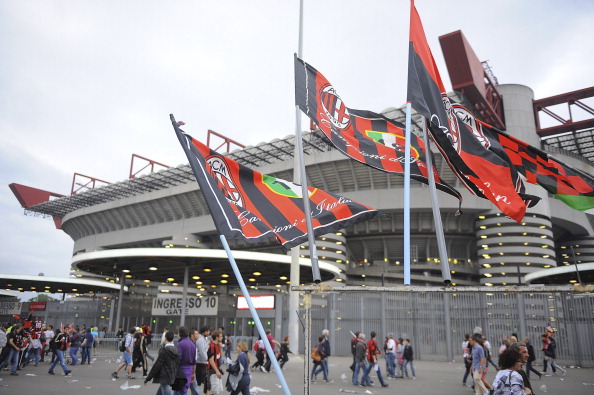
33 353
164 389
73 352
359 366
366 380
86 354
467 365
194 388
554 365
391 364
412 368
319 367
529 369
325 366
60 360
13 357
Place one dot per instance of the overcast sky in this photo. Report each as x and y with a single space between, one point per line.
84 85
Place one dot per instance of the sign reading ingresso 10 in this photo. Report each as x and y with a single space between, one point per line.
207 305
10 308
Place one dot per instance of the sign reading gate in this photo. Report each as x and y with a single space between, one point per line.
207 305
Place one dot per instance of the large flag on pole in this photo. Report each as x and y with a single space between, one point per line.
568 184
484 172
365 136
252 206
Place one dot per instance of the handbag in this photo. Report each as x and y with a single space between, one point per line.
216 384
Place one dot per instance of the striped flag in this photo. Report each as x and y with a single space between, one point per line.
365 136
568 184
484 171
251 206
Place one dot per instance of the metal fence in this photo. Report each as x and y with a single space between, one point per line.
422 318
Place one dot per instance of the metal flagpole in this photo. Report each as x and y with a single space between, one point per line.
255 316
294 275
406 208
441 246
313 254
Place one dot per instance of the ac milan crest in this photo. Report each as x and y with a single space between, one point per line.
334 108
220 172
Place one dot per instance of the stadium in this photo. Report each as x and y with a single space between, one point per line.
152 231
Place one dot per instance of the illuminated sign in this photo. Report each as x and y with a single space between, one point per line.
261 302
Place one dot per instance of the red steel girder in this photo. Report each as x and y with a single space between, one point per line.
566 125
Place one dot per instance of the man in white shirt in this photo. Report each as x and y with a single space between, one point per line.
391 356
49 335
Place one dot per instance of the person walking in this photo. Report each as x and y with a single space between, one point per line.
165 367
139 353
508 380
479 363
243 385
187 358
202 357
273 344
317 362
283 355
360 356
61 345
74 340
128 347
551 353
467 359
531 358
391 356
372 363
259 349
14 342
86 347
408 360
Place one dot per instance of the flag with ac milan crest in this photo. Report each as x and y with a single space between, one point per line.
568 184
251 206
484 170
365 136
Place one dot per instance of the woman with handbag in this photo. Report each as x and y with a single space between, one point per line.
238 380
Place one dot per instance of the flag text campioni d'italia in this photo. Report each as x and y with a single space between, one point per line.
251 206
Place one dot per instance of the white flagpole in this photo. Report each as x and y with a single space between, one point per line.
248 299
313 254
441 246
407 134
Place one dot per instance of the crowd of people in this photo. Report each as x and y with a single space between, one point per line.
399 357
31 341
515 363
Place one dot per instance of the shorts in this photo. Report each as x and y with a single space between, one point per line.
127 358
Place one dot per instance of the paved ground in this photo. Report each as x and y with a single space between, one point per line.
432 378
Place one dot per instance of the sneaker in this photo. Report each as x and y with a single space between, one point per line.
114 375
385 385
67 373
14 374
52 373
131 377
329 381
262 368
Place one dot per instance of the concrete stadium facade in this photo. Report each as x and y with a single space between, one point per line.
484 247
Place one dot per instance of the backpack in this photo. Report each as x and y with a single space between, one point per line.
315 355
123 345
256 346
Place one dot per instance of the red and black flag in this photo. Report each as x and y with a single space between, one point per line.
365 136
485 172
252 206
568 184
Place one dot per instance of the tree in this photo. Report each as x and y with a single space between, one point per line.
42 298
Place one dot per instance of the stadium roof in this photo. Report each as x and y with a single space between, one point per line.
45 284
